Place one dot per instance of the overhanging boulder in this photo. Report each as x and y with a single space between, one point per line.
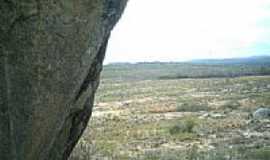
51 54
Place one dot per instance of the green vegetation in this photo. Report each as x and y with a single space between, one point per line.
259 154
138 116
184 129
164 71
191 107
231 105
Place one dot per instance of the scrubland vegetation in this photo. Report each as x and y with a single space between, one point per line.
178 111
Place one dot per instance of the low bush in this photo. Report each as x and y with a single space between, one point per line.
231 105
192 107
259 154
185 126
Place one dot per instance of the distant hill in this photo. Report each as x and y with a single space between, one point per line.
206 68
247 60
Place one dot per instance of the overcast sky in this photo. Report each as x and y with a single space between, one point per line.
179 30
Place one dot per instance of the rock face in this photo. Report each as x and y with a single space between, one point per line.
51 54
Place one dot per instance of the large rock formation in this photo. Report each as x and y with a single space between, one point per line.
51 54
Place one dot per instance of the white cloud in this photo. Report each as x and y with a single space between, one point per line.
167 30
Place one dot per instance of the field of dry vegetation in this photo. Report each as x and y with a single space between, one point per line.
140 116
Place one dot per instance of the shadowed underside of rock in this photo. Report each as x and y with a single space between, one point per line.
51 54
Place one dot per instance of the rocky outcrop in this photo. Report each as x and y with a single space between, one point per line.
261 113
51 54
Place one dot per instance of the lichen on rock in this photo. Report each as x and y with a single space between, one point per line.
51 54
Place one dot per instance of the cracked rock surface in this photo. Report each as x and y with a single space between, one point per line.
51 54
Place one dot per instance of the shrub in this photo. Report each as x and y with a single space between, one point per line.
187 107
183 127
259 154
232 105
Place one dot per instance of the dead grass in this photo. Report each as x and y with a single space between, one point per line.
164 119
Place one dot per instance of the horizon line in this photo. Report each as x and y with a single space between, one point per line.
190 60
